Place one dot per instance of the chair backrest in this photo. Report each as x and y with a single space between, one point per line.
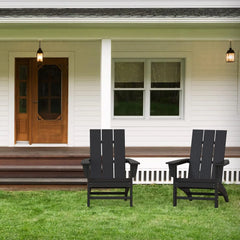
207 149
107 153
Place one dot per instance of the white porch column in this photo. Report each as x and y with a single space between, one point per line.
106 83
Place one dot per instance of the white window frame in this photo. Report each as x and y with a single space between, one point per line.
238 84
147 87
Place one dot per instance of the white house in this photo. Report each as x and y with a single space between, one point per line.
156 72
155 68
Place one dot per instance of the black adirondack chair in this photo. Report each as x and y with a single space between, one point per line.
205 167
106 166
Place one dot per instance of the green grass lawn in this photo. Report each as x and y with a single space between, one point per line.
57 215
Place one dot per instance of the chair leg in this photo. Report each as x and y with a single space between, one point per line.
174 195
88 196
131 196
126 193
224 192
216 196
187 192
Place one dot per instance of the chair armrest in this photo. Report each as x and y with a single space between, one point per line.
178 162
131 161
86 166
218 169
133 166
224 163
86 161
173 166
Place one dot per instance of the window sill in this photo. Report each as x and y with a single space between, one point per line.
147 118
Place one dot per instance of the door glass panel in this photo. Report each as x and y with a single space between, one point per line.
23 72
56 105
56 91
43 107
23 89
49 92
22 105
43 88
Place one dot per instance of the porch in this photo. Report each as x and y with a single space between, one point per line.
60 167
101 53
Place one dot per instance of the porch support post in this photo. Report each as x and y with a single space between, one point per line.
106 50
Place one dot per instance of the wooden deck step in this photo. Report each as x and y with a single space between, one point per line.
43 181
43 168
41 171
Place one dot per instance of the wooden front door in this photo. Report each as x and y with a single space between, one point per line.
46 101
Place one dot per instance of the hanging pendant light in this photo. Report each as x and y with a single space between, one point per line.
230 54
39 54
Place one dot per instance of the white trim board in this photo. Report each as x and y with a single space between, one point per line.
121 20
238 81
11 102
118 4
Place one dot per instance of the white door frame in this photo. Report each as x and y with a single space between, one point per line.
11 101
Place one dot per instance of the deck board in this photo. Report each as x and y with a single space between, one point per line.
83 152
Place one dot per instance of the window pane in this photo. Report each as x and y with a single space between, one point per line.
129 75
23 106
23 89
164 103
165 75
128 103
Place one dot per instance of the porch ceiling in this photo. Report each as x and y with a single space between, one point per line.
72 31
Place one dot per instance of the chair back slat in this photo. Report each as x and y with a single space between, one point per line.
119 153
220 146
195 155
95 153
207 155
107 153
219 151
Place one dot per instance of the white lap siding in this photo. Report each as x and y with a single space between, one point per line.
211 93
211 90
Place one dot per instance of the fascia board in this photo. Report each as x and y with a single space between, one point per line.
119 4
